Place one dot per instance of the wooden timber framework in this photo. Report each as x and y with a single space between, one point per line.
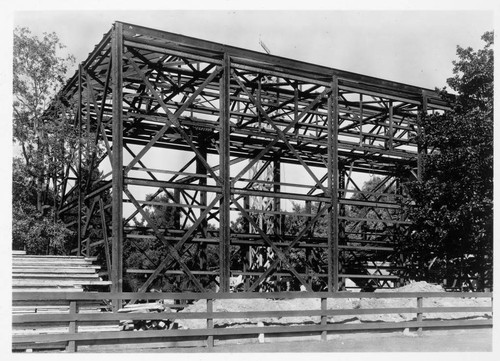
169 120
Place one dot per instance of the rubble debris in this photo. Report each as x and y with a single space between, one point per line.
142 325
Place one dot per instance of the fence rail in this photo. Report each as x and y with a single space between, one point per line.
81 309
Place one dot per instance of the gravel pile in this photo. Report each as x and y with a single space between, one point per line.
427 302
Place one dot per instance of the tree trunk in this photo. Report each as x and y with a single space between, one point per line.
39 194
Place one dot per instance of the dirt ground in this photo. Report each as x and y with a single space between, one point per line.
465 341
240 305
430 341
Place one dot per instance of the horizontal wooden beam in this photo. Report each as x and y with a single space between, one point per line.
32 296
122 336
266 61
88 317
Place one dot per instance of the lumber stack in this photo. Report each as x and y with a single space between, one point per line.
54 273
33 273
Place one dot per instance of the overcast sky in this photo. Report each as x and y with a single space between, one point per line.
414 47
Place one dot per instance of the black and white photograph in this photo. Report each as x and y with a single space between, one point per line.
263 179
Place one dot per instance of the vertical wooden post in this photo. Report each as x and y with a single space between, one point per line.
333 176
117 163
420 302
79 175
295 100
210 322
361 138
308 205
224 232
87 250
323 318
177 210
258 99
200 169
391 126
105 237
245 250
247 264
246 223
276 189
421 150
342 237
73 310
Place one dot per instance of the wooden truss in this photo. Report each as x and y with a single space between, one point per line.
183 121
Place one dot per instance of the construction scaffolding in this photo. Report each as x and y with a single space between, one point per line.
209 131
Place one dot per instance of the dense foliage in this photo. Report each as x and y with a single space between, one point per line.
42 142
37 232
452 238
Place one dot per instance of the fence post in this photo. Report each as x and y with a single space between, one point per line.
210 322
88 247
323 318
420 302
73 309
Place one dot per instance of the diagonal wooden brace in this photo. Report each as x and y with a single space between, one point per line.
100 111
173 251
282 135
172 119
272 143
287 250
179 244
266 238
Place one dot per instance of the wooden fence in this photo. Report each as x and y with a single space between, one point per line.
73 310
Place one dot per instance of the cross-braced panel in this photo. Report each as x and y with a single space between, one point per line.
209 162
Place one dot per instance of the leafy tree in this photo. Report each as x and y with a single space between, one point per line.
452 236
37 232
43 140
